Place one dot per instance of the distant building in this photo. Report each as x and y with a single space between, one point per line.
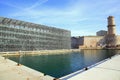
18 35
103 39
74 43
101 33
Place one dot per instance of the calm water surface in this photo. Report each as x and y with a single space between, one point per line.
62 64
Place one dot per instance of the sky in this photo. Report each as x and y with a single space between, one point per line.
81 17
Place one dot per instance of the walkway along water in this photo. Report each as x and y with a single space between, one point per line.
15 71
108 69
104 69
9 70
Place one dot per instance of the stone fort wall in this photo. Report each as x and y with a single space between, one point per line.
97 41
92 41
118 40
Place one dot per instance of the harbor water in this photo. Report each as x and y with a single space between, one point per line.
58 65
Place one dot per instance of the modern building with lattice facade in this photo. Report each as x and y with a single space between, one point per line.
18 35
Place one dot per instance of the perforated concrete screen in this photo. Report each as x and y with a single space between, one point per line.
19 35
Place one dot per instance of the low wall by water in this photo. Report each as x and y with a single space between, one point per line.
98 48
41 52
90 47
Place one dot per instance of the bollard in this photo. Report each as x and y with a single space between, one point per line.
56 79
18 64
86 68
44 74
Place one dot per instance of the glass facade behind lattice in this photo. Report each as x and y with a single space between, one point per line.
18 35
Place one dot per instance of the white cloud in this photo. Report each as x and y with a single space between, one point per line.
49 15
72 17
67 18
38 3
82 33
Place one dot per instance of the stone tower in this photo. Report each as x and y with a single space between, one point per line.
111 26
111 35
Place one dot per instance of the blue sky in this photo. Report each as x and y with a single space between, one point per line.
81 17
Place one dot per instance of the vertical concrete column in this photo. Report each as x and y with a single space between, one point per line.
111 26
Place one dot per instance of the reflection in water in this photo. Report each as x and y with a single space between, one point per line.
94 56
63 64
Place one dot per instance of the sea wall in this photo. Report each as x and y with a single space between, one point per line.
92 42
101 42
41 52
118 40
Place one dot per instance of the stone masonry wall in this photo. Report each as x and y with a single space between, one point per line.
118 40
93 41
